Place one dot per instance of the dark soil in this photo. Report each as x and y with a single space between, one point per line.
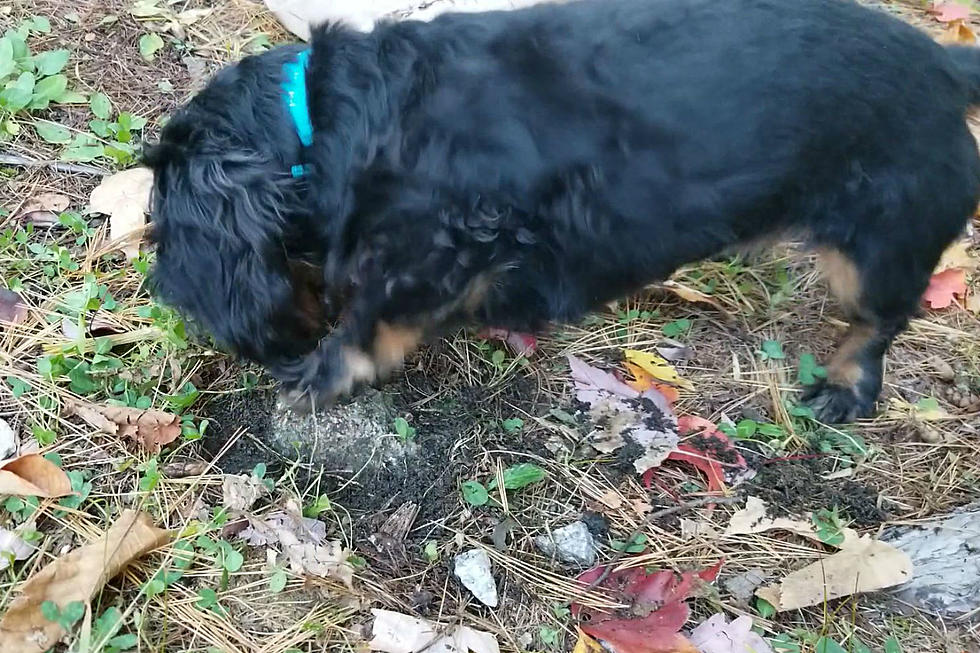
795 486
451 431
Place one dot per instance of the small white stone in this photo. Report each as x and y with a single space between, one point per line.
573 544
472 568
8 440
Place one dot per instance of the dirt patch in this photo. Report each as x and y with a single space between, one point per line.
352 452
796 486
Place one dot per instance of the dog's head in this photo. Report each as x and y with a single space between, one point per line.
229 218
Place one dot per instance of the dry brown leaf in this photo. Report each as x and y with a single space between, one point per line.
125 198
150 428
394 632
33 475
76 576
689 294
865 565
754 518
43 208
973 303
240 492
958 255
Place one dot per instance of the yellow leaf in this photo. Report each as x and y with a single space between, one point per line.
33 475
77 576
657 367
959 33
586 644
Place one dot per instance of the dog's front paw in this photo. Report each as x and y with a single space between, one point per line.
325 376
838 404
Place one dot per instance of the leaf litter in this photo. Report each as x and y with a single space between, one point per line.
656 614
33 475
394 632
125 198
75 576
151 429
302 540
640 423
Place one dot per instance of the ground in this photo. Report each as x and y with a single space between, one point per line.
463 410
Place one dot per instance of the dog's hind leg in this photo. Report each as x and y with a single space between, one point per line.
879 273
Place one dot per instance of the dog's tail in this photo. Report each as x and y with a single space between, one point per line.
967 62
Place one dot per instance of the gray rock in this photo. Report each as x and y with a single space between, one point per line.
742 586
946 561
573 544
472 568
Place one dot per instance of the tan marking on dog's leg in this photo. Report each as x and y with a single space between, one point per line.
844 279
392 343
358 367
845 367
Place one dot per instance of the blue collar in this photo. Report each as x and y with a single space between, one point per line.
297 103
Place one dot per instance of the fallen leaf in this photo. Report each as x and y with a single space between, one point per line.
689 294
43 209
12 547
973 303
150 428
523 344
754 518
716 635
611 499
958 33
304 542
239 492
33 475
125 198
586 644
711 453
958 255
12 307
621 415
947 12
657 367
692 529
945 287
862 565
642 381
394 632
76 576
656 612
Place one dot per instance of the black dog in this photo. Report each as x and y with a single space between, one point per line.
514 168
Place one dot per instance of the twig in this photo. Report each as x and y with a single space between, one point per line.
649 519
15 160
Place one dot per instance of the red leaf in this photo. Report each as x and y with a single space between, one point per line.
658 632
659 600
523 344
947 12
944 287
704 455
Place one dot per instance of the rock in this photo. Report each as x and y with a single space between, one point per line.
8 440
472 568
946 562
742 586
943 369
573 544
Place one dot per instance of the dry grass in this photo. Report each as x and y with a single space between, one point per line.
774 296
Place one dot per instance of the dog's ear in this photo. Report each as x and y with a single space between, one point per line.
220 258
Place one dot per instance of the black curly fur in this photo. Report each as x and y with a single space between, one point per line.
516 168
